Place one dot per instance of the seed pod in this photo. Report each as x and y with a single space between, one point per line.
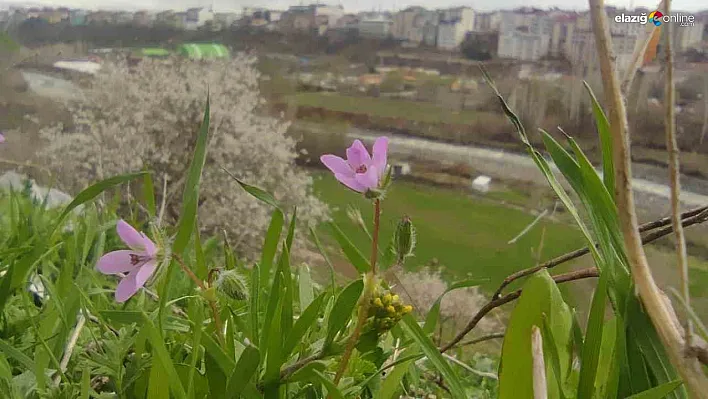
232 284
404 239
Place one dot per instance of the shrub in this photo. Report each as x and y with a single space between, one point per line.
148 117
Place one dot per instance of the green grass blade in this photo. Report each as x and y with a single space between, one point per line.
321 250
342 310
291 231
190 195
332 390
12 352
85 383
254 305
306 288
392 383
244 371
593 341
307 319
256 192
221 358
603 130
163 356
433 354
551 349
270 245
352 253
658 392
274 346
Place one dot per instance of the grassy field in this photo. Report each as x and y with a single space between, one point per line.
467 235
384 107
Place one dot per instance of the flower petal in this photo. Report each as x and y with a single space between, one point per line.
116 262
2 138
350 181
337 165
142 275
370 179
150 247
130 236
357 155
380 154
127 287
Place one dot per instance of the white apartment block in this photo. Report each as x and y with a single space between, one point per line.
332 13
464 15
378 27
686 37
450 34
524 46
410 24
583 53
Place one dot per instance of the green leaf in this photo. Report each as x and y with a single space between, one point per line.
254 305
307 319
10 351
270 245
658 392
190 195
85 383
332 390
220 358
163 356
551 354
392 383
342 310
603 130
350 251
433 354
274 345
540 296
305 286
125 317
157 382
256 192
593 341
291 231
200 266
244 371
149 194
322 252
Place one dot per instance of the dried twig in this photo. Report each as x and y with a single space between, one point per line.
695 216
495 303
70 345
674 175
650 295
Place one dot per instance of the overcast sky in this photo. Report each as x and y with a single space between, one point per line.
350 5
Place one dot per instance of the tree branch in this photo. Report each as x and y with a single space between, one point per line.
495 303
689 218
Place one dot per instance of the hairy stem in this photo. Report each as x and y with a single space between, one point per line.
674 171
649 293
364 300
218 325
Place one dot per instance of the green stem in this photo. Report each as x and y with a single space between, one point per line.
218 325
365 299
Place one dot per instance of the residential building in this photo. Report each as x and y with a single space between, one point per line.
225 20
98 18
686 37
378 27
122 18
198 17
562 35
483 22
464 15
328 14
298 18
409 24
143 18
165 18
430 33
522 45
583 53
450 34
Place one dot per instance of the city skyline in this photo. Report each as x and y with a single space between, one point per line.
349 5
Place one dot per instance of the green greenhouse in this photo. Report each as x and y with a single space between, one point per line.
197 51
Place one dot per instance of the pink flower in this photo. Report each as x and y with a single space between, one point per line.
360 172
2 138
140 261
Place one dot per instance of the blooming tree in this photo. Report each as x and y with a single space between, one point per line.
148 116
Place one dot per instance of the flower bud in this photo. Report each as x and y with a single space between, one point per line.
374 194
407 309
404 239
387 299
395 299
378 303
390 309
232 284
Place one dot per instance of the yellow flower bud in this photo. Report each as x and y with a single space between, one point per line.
378 303
390 309
407 309
387 299
395 298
